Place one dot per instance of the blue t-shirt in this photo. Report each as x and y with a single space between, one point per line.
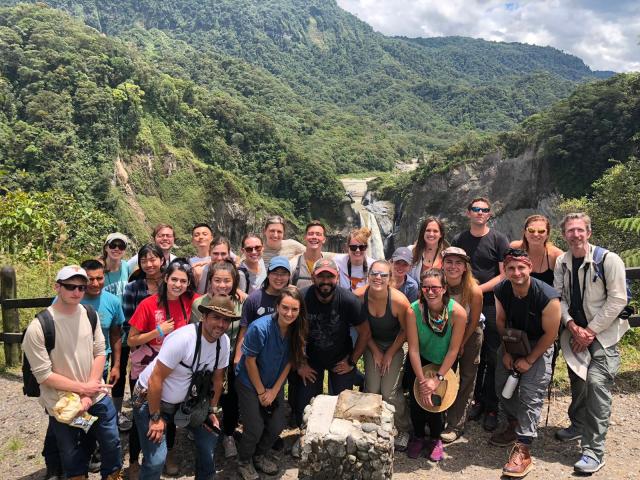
256 305
264 341
109 310
114 282
410 288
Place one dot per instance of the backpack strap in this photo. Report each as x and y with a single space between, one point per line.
48 329
296 272
196 353
93 317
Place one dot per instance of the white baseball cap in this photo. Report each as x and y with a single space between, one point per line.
69 271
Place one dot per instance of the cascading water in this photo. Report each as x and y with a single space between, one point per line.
356 189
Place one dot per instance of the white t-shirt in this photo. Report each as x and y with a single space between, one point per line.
358 277
179 346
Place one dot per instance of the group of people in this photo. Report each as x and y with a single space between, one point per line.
209 343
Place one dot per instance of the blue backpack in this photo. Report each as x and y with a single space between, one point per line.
599 256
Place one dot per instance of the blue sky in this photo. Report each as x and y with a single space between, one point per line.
603 33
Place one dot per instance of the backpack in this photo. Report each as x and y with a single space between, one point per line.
30 386
599 256
245 272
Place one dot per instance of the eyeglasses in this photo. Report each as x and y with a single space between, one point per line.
540 231
117 246
70 287
253 249
362 248
434 289
164 235
379 274
480 209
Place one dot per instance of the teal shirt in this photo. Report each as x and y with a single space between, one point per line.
109 310
114 282
433 347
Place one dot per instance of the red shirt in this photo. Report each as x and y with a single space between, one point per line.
149 314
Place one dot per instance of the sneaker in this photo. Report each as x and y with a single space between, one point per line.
415 446
475 411
94 462
449 436
437 450
568 434
134 471
171 466
490 421
265 465
229 445
54 474
588 464
519 463
506 437
401 441
247 471
124 422
296 450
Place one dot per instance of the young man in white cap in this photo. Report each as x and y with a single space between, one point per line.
75 364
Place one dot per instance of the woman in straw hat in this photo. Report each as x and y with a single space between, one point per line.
435 327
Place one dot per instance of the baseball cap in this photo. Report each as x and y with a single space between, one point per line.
116 236
325 265
455 251
65 273
402 253
222 305
277 262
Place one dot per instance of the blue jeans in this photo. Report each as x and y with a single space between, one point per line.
155 454
72 442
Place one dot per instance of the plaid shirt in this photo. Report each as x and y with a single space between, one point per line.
134 293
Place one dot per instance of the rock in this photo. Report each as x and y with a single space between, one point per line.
369 427
352 459
364 407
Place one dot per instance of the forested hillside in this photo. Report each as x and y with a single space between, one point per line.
415 94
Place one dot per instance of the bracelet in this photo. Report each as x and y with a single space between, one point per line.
160 331
260 394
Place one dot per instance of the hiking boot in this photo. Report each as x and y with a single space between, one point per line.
171 466
506 437
490 421
436 450
134 471
265 465
449 436
415 446
475 411
247 471
95 462
519 463
229 445
124 423
587 464
568 434
401 441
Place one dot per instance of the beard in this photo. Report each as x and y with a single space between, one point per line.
325 293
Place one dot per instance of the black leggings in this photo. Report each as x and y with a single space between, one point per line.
118 389
229 404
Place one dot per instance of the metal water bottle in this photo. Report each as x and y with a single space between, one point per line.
511 384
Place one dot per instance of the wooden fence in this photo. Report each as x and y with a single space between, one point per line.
11 334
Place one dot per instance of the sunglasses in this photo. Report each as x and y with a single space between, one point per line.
434 289
379 274
480 209
540 231
117 246
70 287
253 249
354 248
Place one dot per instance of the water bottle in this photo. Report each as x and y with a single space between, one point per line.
511 384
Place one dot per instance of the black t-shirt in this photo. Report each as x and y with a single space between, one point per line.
486 253
576 309
329 340
526 313
258 304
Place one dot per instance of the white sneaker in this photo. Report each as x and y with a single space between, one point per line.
124 423
229 445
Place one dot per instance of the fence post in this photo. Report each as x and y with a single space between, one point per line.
10 316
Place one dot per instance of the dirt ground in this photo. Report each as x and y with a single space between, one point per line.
23 426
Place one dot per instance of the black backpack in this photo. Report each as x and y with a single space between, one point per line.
30 386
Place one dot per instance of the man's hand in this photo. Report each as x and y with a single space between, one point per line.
267 397
94 387
214 421
521 365
307 374
343 366
156 430
86 403
114 374
507 361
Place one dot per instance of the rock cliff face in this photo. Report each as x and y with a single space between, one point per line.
518 187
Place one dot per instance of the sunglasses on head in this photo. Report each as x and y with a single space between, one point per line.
253 249
480 209
540 231
354 248
117 246
70 287
379 274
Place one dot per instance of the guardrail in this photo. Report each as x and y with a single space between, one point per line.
11 335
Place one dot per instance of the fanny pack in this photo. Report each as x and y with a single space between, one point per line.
194 409
516 342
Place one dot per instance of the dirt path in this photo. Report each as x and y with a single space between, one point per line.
23 427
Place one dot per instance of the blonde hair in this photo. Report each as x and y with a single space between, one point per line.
362 235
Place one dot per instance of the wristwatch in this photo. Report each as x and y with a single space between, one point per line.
440 377
155 417
351 362
215 410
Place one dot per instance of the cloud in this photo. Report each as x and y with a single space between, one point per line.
605 35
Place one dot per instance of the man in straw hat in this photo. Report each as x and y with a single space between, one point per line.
592 283
167 381
530 308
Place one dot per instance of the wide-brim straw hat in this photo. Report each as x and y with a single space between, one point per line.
448 388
